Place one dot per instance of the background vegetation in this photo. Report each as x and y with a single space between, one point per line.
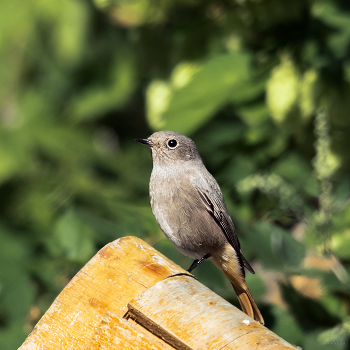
263 88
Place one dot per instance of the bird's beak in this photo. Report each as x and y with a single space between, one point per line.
147 142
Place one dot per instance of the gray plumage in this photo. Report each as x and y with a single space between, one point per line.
190 209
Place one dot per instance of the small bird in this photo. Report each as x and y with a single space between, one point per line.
190 209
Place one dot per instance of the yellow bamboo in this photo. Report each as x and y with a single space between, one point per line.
124 298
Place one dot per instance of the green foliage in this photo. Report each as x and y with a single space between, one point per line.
193 97
263 88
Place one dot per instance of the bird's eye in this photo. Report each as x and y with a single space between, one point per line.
172 143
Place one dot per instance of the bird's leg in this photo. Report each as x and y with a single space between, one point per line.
197 262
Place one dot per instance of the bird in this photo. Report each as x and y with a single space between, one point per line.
190 209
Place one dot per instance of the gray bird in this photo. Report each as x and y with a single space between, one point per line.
190 209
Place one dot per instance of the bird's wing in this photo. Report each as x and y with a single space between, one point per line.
216 207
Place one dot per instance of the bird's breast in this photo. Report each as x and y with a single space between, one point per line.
181 214
167 203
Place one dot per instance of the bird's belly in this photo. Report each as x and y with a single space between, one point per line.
166 223
188 226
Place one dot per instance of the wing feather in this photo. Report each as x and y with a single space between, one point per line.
216 209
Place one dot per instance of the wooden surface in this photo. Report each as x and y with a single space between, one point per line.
127 297
115 275
185 313
117 333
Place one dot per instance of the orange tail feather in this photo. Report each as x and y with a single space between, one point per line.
247 303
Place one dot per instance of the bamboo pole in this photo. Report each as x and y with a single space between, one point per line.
129 296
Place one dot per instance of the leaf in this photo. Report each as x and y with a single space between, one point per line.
134 13
239 168
294 168
334 16
255 114
210 87
308 93
72 238
99 99
275 248
286 326
70 32
336 336
341 243
315 340
158 97
16 290
282 89
290 251
220 134
256 285
259 133
273 186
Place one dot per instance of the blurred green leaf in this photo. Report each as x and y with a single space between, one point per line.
293 168
340 244
275 248
315 340
239 168
16 290
282 89
256 285
255 114
72 238
102 98
133 13
329 12
70 31
210 87
308 93
286 326
341 333
290 251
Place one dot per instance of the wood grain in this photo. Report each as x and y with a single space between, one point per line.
129 296
117 333
188 315
115 275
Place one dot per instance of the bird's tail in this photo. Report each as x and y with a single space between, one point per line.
226 260
247 302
